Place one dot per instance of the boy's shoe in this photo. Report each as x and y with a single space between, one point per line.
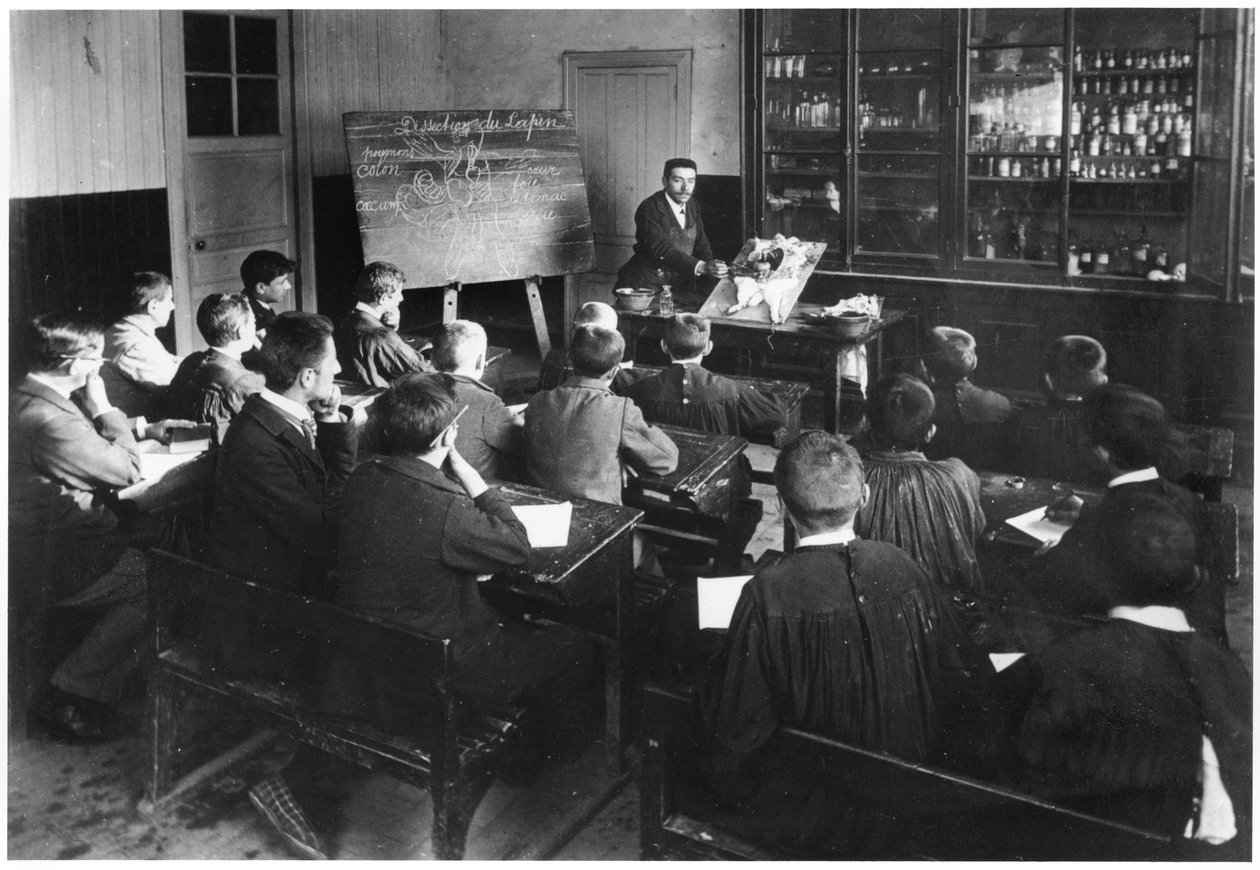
272 798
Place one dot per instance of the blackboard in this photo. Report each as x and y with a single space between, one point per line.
470 196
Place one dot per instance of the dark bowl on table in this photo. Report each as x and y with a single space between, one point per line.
629 299
844 325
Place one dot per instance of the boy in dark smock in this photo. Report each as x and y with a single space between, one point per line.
1141 719
1050 439
1128 431
970 421
419 530
929 509
845 638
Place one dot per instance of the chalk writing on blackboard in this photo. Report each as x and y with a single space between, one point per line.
470 196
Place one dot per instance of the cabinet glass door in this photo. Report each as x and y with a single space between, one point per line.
803 126
1014 157
899 134
1131 133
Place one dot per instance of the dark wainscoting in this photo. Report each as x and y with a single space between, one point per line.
77 252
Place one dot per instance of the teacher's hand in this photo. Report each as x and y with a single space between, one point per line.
716 268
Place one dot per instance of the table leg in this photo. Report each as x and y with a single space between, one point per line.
831 391
620 682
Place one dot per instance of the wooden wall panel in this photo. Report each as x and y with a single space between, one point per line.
369 60
85 98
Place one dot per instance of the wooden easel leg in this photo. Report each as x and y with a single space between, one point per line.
831 391
536 314
450 302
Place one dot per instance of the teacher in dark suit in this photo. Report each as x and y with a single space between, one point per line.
670 243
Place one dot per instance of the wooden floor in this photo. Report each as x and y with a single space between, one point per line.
80 802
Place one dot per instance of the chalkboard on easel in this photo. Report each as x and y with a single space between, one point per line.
467 197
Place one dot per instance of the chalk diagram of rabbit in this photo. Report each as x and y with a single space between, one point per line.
459 206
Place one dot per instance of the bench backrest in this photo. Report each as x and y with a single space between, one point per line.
175 581
944 815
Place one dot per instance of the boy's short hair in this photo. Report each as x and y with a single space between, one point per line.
951 354
679 163
687 335
415 409
263 267
53 338
147 287
378 280
222 316
1076 364
1130 424
295 340
899 412
595 314
457 344
819 478
595 351
1150 548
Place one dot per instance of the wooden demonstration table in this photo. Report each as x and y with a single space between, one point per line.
702 493
796 336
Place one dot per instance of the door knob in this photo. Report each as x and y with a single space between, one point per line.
199 245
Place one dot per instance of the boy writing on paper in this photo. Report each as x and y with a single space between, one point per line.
419 529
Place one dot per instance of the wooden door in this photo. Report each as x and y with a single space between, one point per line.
633 112
229 157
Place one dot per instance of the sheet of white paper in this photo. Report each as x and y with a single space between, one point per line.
518 409
547 524
154 465
1002 661
1035 523
716 598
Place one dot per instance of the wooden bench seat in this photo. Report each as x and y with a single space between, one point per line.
456 761
940 815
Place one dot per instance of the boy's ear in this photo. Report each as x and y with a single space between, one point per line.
708 348
931 433
866 495
1103 454
1049 381
665 348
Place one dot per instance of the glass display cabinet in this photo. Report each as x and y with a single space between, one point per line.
1065 147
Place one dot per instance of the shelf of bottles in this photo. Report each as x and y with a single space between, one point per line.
1130 140
1014 159
898 117
803 126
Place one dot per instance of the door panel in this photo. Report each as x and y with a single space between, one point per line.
230 151
632 111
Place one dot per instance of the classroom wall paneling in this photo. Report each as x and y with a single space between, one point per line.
85 102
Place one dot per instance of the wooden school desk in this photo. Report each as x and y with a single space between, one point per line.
796 337
700 497
589 583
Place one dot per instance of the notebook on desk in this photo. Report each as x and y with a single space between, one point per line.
716 598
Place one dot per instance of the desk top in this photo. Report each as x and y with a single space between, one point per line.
797 324
703 461
791 392
1001 501
594 524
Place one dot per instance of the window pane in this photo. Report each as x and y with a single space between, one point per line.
206 44
259 106
1017 26
899 28
897 204
798 30
256 45
209 102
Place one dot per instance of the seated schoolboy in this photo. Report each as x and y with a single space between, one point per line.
368 345
266 278
1050 439
929 509
489 434
970 421
211 386
419 530
138 367
1128 432
556 367
844 637
687 394
579 436
70 448
1141 719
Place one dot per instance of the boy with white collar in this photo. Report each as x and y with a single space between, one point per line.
368 345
